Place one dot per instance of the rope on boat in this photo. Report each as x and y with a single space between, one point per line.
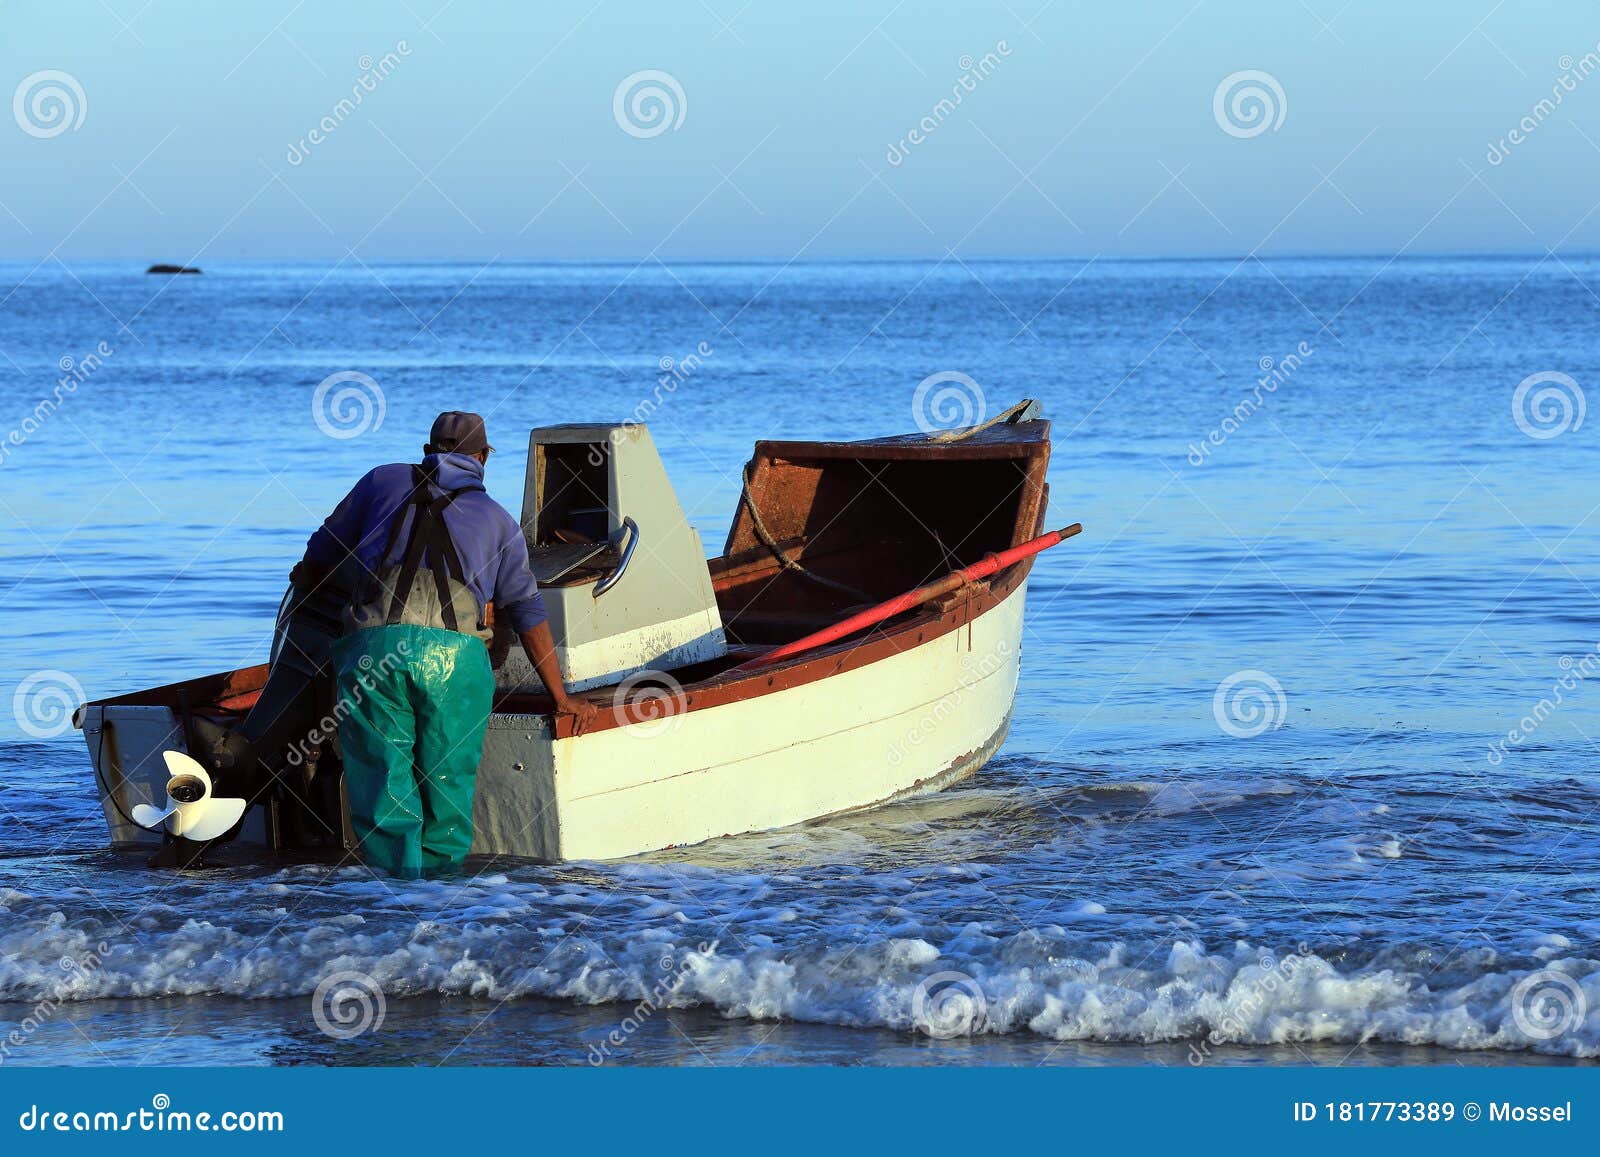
962 434
790 564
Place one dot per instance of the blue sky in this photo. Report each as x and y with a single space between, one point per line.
1094 130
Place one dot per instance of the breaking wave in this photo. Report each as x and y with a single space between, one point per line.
1066 981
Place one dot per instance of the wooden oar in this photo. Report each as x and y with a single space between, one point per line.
955 580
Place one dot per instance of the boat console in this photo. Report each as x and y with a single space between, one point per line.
622 572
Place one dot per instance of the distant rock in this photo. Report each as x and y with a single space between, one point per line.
172 269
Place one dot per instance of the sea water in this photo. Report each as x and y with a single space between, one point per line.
1302 764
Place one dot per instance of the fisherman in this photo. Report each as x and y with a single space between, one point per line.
428 560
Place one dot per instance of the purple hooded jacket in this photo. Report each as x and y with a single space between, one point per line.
494 555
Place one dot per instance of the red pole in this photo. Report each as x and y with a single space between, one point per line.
952 581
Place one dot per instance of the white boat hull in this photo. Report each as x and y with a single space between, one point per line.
913 721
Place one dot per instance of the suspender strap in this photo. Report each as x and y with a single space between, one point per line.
442 557
428 534
419 492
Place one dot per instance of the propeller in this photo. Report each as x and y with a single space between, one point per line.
192 811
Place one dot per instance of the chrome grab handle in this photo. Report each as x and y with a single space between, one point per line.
631 530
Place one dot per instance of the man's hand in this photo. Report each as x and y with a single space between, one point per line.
582 711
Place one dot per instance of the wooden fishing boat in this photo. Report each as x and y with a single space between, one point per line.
857 641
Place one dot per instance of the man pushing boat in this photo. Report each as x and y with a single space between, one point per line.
397 593
767 695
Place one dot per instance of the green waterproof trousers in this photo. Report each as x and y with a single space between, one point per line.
413 705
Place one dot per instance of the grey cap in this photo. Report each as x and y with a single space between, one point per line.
459 431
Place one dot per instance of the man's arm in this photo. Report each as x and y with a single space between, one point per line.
541 648
516 596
